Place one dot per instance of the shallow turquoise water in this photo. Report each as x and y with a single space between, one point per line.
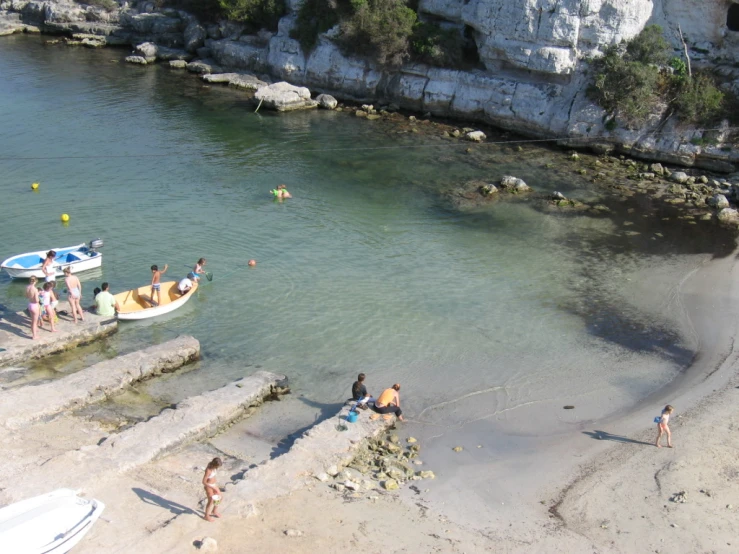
482 314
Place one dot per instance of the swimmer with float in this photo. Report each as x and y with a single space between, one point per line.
280 193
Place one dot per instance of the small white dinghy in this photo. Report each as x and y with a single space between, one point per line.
48 524
78 258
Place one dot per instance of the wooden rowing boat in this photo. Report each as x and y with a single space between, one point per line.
137 304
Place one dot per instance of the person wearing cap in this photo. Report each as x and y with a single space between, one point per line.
389 402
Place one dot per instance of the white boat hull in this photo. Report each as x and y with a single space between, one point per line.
52 523
78 258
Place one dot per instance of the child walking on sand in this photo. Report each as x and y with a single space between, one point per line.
211 489
156 286
662 426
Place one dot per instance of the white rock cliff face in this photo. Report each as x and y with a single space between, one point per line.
533 72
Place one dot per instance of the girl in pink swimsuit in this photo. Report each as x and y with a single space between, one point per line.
33 307
663 428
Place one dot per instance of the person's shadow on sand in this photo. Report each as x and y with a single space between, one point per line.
605 436
155 500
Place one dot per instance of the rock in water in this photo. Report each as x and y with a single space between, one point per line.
148 50
514 184
680 177
556 195
208 544
719 201
458 449
178 64
326 101
426 475
390 485
285 97
136 59
728 215
410 440
475 136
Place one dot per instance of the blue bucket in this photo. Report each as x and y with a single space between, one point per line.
352 416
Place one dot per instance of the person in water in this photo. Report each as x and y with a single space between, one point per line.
663 427
197 271
48 267
280 193
389 402
74 293
156 286
359 392
33 306
212 491
47 306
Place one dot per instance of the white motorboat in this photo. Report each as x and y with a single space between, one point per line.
78 258
137 304
48 524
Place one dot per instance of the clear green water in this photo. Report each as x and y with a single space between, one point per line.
482 314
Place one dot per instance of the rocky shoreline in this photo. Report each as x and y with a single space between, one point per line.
554 108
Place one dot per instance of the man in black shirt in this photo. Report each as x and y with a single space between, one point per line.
359 392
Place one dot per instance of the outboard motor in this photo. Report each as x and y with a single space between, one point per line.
96 243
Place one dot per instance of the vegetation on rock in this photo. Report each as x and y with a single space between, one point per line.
633 81
257 14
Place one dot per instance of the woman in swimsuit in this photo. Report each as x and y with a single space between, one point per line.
48 267
74 289
212 491
47 295
33 307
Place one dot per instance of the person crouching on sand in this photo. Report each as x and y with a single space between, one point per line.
662 427
212 491
389 402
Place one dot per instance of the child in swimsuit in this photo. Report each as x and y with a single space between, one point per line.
197 271
33 307
156 286
47 306
663 428
212 491
74 288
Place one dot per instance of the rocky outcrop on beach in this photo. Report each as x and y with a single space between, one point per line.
284 97
532 74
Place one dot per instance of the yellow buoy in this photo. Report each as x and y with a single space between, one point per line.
65 218
34 186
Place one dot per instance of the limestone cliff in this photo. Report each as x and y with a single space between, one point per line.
533 53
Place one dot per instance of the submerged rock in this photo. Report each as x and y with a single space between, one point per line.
239 80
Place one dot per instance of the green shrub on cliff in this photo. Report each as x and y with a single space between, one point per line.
632 81
380 29
255 13
316 17
434 45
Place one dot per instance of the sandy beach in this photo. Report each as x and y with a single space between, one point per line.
604 487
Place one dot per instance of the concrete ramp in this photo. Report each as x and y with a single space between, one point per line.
24 405
194 419
15 336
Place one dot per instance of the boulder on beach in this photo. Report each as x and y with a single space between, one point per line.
326 101
728 215
285 97
195 35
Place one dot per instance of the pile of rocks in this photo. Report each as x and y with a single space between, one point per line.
382 464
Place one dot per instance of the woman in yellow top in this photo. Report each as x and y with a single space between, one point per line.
389 402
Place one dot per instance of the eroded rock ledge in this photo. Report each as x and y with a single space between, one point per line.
532 77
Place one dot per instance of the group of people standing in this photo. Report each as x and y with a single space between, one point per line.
42 302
